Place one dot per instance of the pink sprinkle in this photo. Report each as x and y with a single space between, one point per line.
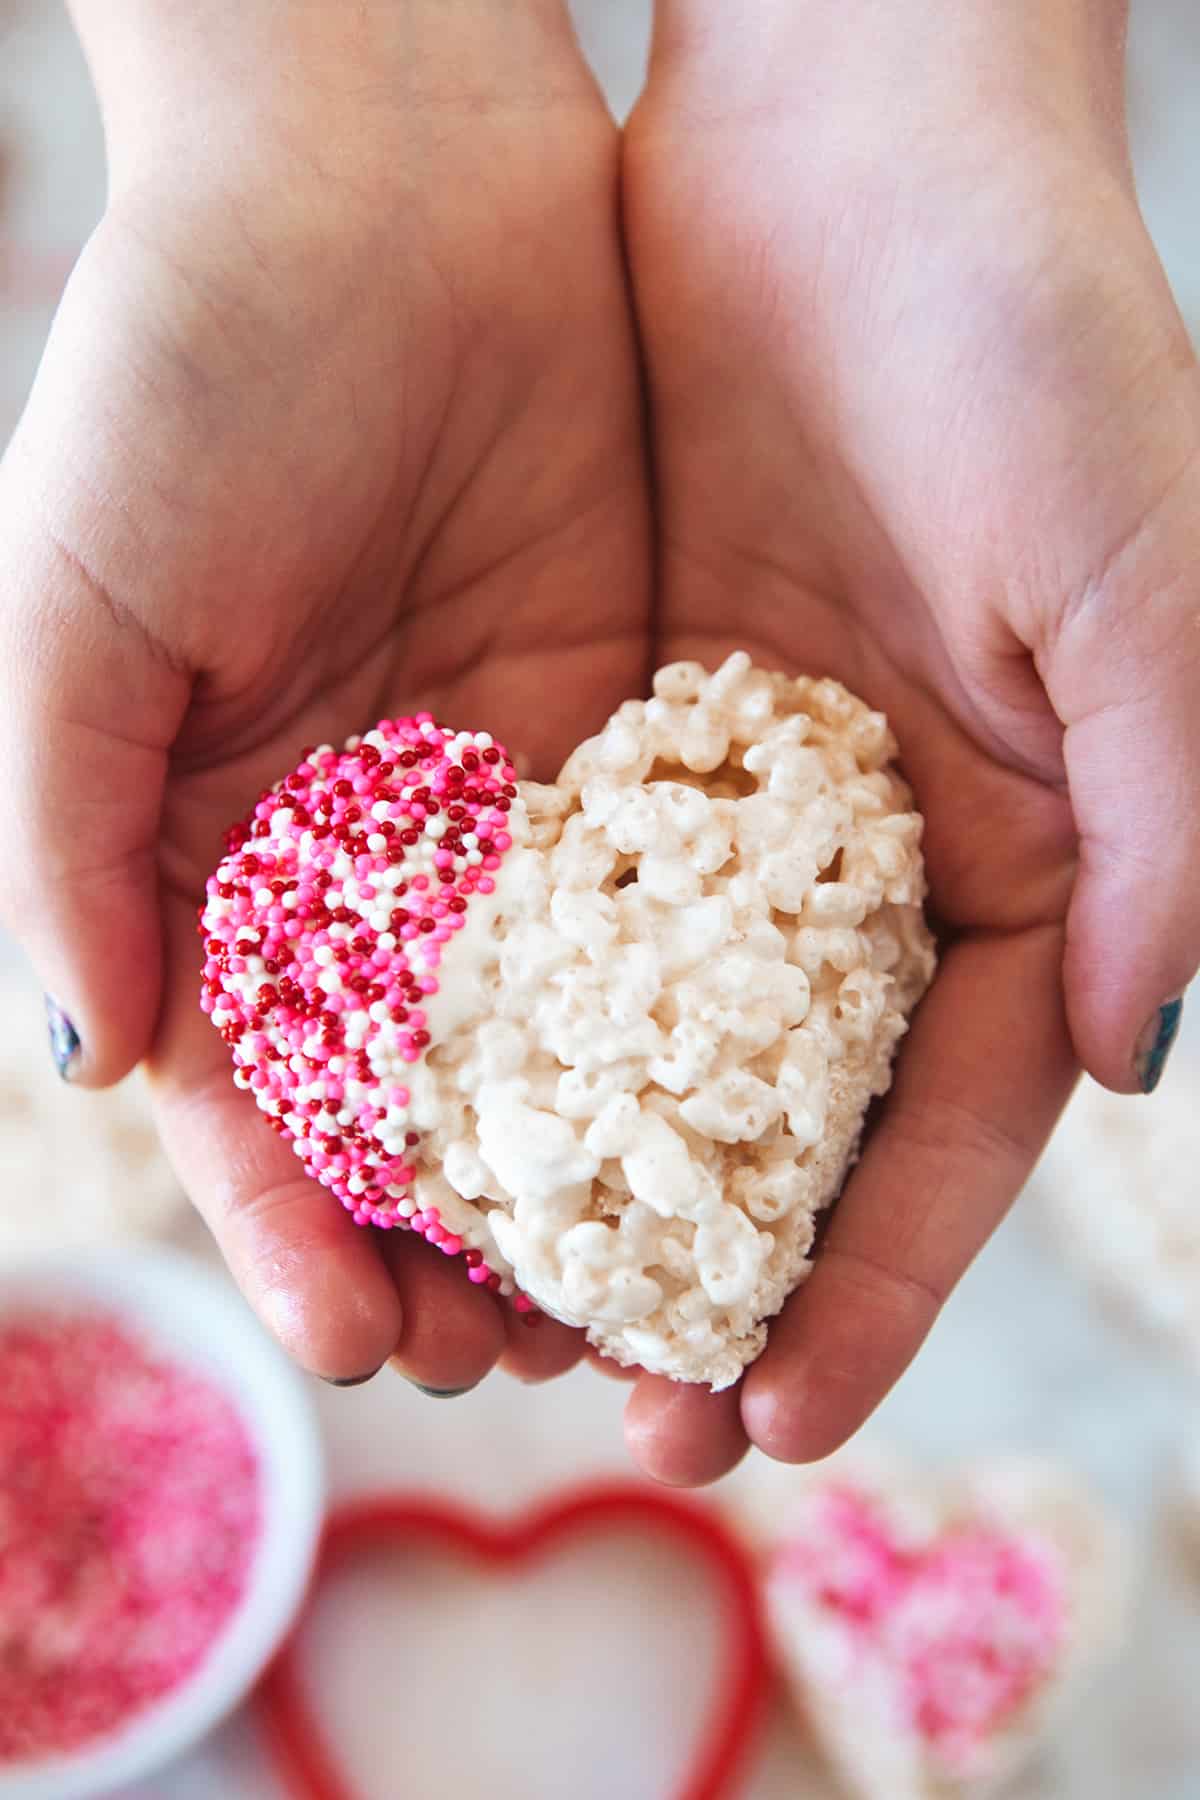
328 915
967 1626
132 1508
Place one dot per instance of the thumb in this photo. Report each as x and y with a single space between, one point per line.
1124 677
88 708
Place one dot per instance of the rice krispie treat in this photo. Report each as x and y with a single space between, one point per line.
87 1166
1122 1193
931 1627
611 1040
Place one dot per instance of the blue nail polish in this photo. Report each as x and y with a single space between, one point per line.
64 1039
441 1393
1156 1044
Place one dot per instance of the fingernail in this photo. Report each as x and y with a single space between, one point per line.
1156 1043
443 1393
64 1039
345 1381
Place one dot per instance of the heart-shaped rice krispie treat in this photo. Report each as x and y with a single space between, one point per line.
1120 1186
931 1626
92 1160
610 1040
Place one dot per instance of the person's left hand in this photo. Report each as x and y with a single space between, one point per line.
339 419
925 419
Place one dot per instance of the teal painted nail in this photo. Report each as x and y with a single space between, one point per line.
64 1039
441 1393
1156 1043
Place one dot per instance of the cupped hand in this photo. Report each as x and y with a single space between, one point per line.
923 418
339 418
926 419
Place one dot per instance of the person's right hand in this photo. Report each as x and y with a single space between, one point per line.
339 418
926 415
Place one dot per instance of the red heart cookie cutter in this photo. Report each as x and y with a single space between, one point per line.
397 1522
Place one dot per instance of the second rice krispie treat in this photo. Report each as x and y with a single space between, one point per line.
931 1625
1121 1191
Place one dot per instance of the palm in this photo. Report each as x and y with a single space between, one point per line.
372 450
831 495
414 479
464 554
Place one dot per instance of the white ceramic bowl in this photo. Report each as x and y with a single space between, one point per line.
198 1319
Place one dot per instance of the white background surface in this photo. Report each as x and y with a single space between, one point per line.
570 1680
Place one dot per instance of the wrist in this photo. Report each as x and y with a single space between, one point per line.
231 79
910 64
184 77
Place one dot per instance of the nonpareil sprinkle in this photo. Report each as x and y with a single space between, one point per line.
130 1506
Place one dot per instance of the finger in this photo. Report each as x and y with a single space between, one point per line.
88 706
682 1434
315 1279
979 1085
537 1348
452 1334
1124 676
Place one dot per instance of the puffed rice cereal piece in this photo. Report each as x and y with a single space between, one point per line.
613 1039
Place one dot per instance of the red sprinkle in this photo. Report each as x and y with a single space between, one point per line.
414 812
130 1507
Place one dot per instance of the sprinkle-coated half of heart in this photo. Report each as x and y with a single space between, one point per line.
968 1625
325 926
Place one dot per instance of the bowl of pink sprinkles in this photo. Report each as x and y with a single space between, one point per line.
161 1498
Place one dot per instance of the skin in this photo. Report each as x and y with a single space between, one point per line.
296 456
924 405
894 390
